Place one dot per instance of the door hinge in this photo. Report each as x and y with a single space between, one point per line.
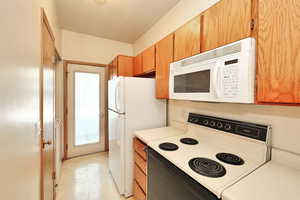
252 24
53 175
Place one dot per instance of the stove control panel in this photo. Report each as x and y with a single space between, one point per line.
246 129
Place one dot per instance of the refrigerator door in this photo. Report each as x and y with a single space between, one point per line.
116 95
116 149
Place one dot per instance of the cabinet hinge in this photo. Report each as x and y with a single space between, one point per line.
252 24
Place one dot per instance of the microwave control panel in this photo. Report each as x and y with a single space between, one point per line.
230 76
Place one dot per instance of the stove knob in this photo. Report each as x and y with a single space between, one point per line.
212 123
206 122
219 125
227 127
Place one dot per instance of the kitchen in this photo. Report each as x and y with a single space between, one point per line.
204 104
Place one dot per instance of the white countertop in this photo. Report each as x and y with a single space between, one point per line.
272 181
149 135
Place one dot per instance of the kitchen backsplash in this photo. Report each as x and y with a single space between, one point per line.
285 120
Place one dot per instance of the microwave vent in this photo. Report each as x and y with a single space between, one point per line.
220 52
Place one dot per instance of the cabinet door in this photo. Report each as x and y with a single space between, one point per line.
227 21
278 75
137 65
149 59
114 68
187 39
110 70
164 57
125 66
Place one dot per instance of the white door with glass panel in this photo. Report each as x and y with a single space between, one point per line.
86 113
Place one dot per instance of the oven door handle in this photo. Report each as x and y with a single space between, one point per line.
216 80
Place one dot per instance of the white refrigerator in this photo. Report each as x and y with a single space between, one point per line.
132 106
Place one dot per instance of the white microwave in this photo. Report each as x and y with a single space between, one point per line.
225 74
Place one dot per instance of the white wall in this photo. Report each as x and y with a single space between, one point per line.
82 47
285 120
20 59
19 99
176 17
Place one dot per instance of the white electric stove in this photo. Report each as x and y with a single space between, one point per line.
214 153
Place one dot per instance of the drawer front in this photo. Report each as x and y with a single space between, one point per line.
139 161
141 178
139 147
138 192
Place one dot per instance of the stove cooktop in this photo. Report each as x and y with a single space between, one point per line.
167 146
189 141
216 152
229 158
207 167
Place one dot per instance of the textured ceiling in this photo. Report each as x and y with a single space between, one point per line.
121 20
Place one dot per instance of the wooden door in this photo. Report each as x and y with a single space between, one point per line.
86 109
137 65
187 39
148 59
278 73
164 57
47 112
227 21
125 66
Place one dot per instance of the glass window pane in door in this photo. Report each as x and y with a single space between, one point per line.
87 108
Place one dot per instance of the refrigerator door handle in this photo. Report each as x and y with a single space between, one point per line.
116 92
117 96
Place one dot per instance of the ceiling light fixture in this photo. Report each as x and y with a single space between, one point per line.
100 1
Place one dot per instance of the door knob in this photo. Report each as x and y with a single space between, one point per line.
47 143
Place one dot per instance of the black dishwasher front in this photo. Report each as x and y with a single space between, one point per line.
167 182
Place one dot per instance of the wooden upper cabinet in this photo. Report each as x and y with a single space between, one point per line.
125 65
278 75
121 66
164 57
114 68
137 65
225 22
187 39
148 59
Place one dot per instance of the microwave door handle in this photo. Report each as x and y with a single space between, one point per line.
216 80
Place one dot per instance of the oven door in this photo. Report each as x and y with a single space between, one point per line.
198 82
167 182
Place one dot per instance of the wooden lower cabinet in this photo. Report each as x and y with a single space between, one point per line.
141 178
140 170
139 148
138 192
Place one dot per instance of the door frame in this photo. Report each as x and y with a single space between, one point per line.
65 106
44 21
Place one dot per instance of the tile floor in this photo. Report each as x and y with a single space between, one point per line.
87 178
